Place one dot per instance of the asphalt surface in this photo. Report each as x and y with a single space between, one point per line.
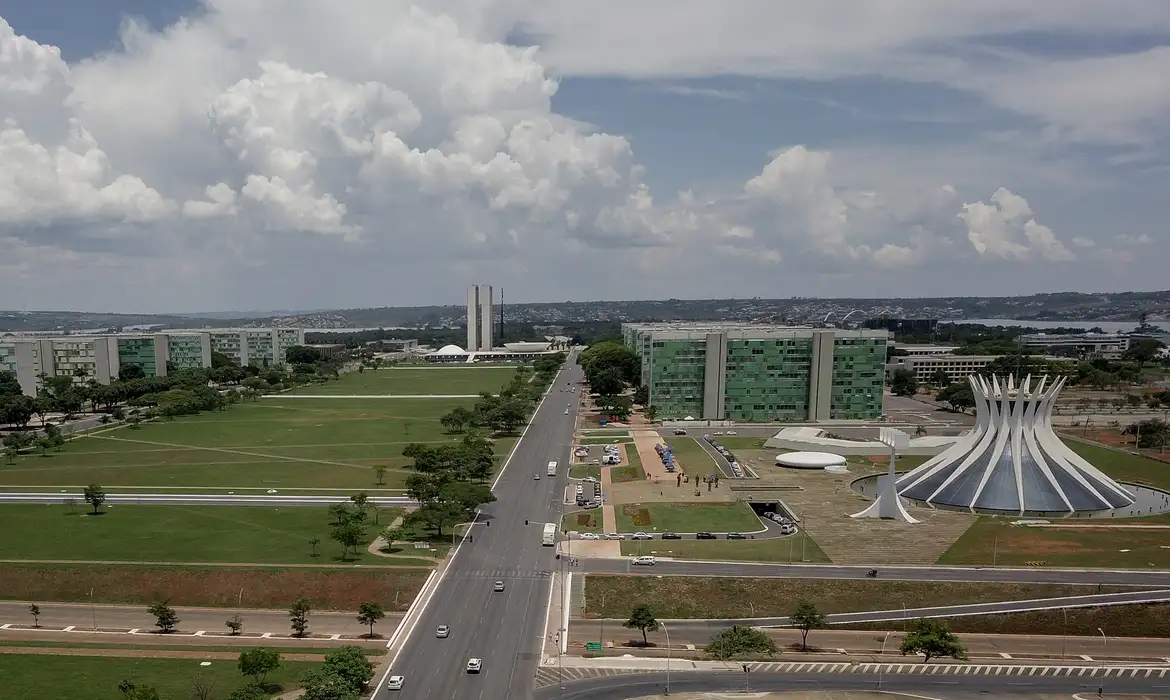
205 499
504 629
620 687
891 573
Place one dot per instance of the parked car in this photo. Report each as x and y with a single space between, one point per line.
642 561
679 431
614 536
704 536
671 536
590 536
736 536
641 536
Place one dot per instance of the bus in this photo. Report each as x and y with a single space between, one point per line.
550 535
552 468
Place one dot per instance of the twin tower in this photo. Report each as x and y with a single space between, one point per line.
479 318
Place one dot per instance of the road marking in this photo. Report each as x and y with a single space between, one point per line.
69 628
200 633
4 627
335 636
1006 656
266 635
1085 657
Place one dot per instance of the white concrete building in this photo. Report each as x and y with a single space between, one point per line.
479 317
1107 345
1012 462
924 367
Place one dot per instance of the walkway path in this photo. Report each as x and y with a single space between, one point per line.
149 653
608 520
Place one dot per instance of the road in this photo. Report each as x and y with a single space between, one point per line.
620 687
126 617
205 499
503 629
663 567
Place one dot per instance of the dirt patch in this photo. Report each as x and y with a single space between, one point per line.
612 596
587 520
639 516
267 588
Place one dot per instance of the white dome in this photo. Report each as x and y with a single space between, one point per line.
810 460
451 350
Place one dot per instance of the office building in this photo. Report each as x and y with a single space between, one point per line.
902 326
716 371
479 318
100 357
958 367
1088 345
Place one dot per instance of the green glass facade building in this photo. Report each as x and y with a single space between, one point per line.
760 373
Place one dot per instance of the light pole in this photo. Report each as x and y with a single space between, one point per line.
1104 668
882 660
667 656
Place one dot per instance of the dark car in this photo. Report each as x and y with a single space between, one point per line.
704 536
671 536
680 431
736 536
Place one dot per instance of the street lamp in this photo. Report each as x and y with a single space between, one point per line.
667 656
1104 669
882 660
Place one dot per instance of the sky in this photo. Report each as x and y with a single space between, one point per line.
182 156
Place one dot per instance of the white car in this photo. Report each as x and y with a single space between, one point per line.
614 536
642 536
536 476
443 632
590 536
395 683
474 665
731 432
642 561
498 587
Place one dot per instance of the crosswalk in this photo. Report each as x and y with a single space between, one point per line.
550 675
500 574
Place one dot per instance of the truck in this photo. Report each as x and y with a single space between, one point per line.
549 538
552 468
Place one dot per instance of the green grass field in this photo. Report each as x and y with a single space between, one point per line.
789 549
243 645
97 678
583 521
171 533
631 471
580 471
270 443
686 517
413 381
691 455
741 442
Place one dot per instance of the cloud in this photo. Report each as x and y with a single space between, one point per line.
1005 229
382 151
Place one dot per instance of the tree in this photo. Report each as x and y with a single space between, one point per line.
132 691
932 639
313 543
350 664
202 687
369 614
328 687
642 618
128 372
959 396
251 691
641 395
340 513
95 497
35 611
457 419
298 616
806 617
1143 351
607 381
903 383
258 663
350 535
301 355
940 378
1153 432
165 617
235 623
740 640
392 535
380 474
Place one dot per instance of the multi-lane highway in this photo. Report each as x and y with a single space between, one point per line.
505 629
892 573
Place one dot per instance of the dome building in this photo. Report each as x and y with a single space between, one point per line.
1012 461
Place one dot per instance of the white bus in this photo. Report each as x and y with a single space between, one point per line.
550 535
552 468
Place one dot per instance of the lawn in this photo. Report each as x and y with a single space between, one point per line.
328 589
1124 466
741 442
994 541
580 471
1118 620
415 381
787 550
271 443
605 441
686 517
97 678
241 645
174 533
683 597
691 456
631 471
583 521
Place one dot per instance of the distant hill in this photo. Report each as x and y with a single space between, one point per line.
1060 306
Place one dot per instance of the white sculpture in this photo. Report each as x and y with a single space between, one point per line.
888 506
1012 461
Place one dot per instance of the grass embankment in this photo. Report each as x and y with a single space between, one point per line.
328 589
691 456
176 533
97 678
787 550
582 471
242 645
1118 620
416 381
686 517
740 442
630 470
681 597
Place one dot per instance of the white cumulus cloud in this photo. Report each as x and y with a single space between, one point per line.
1006 229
